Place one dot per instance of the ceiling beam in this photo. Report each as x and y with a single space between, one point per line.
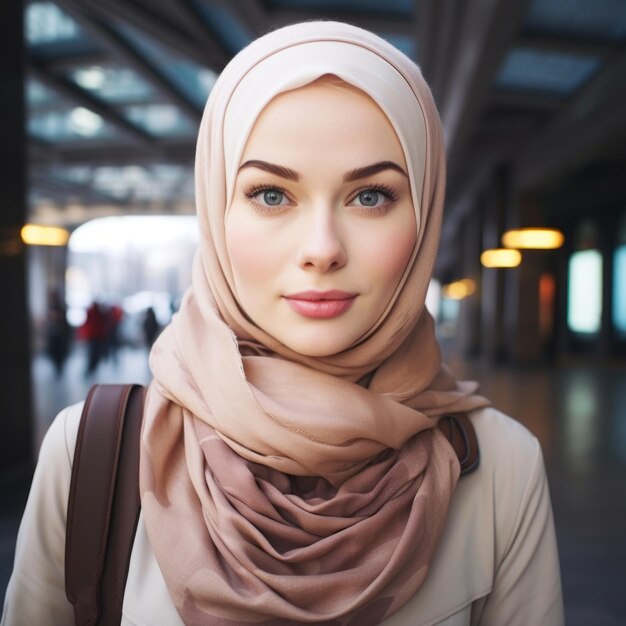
382 24
487 30
564 147
40 151
71 91
46 183
206 52
566 45
127 55
504 130
591 120
606 184
524 101
190 18
106 154
444 43
72 214
426 26
64 64
252 14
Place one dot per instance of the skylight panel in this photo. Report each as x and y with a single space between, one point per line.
190 78
157 181
46 27
38 95
160 120
70 125
113 84
556 73
597 19
390 8
225 25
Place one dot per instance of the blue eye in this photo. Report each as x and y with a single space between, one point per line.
267 196
370 197
273 197
375 197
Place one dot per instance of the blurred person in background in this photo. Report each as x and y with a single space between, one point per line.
94 331
114 316
306 458
57 331
150 326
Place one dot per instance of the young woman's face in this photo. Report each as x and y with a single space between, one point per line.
321 225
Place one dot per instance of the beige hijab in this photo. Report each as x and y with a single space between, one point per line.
279 488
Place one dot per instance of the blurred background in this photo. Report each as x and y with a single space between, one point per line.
100 104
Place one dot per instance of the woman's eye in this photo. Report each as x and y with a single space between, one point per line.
270 197
370 197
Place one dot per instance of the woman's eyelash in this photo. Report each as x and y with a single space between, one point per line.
255 189
390 192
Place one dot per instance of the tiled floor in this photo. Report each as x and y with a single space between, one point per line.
578 412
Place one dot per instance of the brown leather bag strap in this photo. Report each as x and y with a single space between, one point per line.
103 506
460 432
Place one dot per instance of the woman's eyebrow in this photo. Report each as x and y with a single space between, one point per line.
369 170
279 170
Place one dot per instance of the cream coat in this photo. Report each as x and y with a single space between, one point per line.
496 564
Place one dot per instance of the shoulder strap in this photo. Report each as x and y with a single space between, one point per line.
460 432
103 505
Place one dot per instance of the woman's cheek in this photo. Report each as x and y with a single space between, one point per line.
250 252
388 253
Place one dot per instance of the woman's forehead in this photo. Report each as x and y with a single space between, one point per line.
325 118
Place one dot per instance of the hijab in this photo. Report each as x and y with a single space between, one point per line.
279 488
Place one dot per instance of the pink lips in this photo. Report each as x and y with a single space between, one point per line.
321 304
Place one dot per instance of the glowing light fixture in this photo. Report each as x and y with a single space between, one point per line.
501 257
536 238
35 235
459 289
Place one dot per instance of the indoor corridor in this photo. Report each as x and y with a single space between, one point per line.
102 103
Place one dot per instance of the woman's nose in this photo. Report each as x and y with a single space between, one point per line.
322 247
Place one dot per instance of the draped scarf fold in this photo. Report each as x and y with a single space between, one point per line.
278 488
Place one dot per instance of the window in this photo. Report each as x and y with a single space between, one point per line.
619 289
584 293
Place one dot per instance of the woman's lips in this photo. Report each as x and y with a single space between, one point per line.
321 304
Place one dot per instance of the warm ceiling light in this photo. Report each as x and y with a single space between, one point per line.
539 238
459 289
34 235
501 257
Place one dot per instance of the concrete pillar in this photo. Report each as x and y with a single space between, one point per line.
524 312
470 332
609 232
564 342
15 391
527 346
493 296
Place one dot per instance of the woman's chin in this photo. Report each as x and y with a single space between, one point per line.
317 343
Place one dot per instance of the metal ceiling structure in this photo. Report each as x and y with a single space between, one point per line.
116 89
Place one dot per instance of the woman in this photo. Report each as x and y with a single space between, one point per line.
291 471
